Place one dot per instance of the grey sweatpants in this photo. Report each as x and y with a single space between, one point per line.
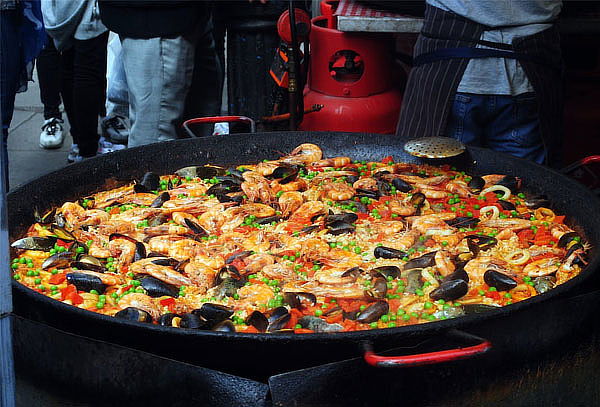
159 72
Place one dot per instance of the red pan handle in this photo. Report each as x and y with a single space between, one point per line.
432 357
219 119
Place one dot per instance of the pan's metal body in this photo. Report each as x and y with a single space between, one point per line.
515 331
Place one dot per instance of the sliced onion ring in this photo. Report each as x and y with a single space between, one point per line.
494 209
500 188
518 257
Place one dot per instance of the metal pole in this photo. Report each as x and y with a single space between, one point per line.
7 373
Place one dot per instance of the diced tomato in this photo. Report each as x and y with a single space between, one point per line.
293 321
69 289
251 330
334 319
394 304
243 229
114 211
526 235
169 303
57 278
303 331
387 160
429 243
362 216
559 219
495 295
64 244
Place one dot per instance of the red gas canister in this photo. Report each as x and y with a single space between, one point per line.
351 75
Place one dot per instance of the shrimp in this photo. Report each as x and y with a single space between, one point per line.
542 267
298 184
511 223
407 240
201 275
256 241
289 202
180 217
284 242
98 251
369 184
334 277
214 262
431 193
212 220
459 188
332 162
256 262
303 154
256 187
177 247
432 224
254 295
123 249
401 207
308 210
163 273
136 215
413 179
193 206
338 191
349 291
266 168
558 230
72 212
477 267
140 198
341 259
141 301
387 227
313 248
279 271
167 229
443 263
105 199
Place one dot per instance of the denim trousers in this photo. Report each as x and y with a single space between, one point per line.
503 123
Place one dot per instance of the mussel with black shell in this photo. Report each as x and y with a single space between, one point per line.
44 244
285 173
134 314
157 288
383 252
86 282
201 171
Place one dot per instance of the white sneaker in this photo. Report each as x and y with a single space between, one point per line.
52 133
73 153
76 158
105 146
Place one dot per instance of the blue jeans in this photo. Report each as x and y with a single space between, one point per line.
117 93
508 124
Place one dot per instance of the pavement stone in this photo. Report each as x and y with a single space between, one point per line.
27 160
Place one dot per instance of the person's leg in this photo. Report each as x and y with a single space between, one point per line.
204 96
48 70
515 129
88 90
10 65
117 95
466 120
67 58
159 73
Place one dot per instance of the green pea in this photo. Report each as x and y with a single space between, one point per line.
373 325
318 313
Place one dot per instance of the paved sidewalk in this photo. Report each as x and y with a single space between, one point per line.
27 160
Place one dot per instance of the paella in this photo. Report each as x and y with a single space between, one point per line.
300 243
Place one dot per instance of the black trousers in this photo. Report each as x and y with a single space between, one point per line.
84 77
54 86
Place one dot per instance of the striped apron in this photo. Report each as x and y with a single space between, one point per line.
442 52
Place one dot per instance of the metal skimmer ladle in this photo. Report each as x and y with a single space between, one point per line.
434 147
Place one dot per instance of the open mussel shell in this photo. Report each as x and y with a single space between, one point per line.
426 260
544 284
58 260
478 243
134 314
510 182
434 147
567 238
44 244
462 222
386 271
87 266
537 201
450 290
62 233
195 228
501 281
459 274
418 200
160 200
213 313
346 217
414 280
239 255
258 320
224 326
382 252
378 290
401 185
157 288
373 312
45 218
360 193
169 319
86 282
201 171
296 299
150 181
192 321
506 205
340 227
268 220
285 173
165 261
86 258
476 184
278 319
